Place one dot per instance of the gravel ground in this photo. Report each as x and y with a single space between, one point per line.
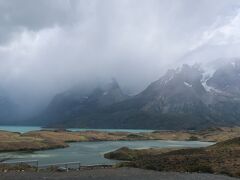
111 174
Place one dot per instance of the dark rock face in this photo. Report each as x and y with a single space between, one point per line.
80 103
178 91
181 99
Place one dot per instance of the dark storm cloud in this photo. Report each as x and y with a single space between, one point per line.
47 46
17 16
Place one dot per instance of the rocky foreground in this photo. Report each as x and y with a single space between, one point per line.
50 139
112 174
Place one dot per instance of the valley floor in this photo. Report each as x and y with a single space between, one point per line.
111 174
221 158
43 139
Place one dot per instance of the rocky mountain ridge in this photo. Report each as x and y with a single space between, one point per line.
184 98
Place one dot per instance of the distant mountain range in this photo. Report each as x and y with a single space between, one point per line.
184 98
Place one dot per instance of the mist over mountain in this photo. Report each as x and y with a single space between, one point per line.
49 47
183 98
80 101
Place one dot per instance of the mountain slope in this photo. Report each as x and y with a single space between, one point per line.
226 79
181 99
81 102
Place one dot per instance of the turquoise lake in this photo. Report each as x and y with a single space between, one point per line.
89 153
24 129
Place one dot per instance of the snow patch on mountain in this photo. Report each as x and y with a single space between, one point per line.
205 78
187 84
207 74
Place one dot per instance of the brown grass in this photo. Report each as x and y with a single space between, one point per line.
222 158
38 140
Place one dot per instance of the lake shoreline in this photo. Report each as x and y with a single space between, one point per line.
36 141
220 158
54 139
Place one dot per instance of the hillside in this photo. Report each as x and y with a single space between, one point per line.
221 158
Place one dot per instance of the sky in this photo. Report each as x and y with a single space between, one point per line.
46 46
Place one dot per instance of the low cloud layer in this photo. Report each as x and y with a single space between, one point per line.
48 46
